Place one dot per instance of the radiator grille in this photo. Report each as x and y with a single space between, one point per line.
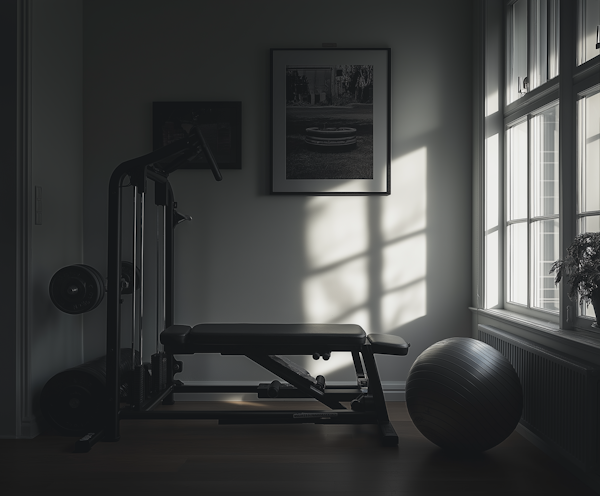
560 399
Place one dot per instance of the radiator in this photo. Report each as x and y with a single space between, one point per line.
560 396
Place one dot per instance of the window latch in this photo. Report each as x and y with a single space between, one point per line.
525 87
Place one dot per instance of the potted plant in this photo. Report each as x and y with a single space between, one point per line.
581 270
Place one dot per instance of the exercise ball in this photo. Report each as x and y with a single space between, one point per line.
463 395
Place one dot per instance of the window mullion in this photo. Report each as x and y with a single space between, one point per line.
567 148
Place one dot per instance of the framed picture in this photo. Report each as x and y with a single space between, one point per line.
220 123
330 121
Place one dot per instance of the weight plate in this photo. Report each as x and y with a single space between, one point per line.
76 289
73 402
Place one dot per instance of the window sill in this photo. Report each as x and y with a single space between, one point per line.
580 338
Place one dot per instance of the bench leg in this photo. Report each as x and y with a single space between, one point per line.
295 379
386 430
361 378
169 399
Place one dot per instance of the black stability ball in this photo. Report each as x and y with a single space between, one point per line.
464 395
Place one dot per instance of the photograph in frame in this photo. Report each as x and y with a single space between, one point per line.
330 111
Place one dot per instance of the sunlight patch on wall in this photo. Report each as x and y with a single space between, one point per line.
404 255
404 262
336 230
404 305
403 281
366 258
491 103
338 293
405 211
336 286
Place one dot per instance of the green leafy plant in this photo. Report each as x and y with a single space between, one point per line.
581 267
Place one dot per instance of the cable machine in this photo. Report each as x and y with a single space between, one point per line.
154 167
134 389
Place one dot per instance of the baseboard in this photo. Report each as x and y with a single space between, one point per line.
28 429
393 391
591 480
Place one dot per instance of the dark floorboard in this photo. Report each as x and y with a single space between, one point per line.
181 457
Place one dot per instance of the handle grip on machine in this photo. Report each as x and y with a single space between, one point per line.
208 154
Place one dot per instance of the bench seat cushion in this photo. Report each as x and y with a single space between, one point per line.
316 337
388 344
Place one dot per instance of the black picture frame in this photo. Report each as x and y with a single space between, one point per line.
331 121
220 123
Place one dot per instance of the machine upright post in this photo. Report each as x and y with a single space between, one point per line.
170 258
132 169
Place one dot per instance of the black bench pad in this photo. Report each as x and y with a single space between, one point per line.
245 339
325 337
388 344
349 335
175 335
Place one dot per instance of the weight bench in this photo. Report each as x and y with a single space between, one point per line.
136 392
264 344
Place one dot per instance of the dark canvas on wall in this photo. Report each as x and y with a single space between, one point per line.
220 122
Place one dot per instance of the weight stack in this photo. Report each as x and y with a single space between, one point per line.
159 371
74 401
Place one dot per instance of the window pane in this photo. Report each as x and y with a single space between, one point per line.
517 172
589 223
588 21
587 311
538 68
517 68
544 38
588 153
553 38
544 239
492 187
544 163
517 263
492 267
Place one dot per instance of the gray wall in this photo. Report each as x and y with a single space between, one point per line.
9 203
399 264
45 149
56 339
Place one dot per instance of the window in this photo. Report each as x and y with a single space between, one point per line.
533 45
517 35
588 168
544 40
541 179
532 217
588 30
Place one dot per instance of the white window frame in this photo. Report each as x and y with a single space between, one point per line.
541 17
566 88
584 21
581 214
529 220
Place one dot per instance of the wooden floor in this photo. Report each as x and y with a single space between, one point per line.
199 457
